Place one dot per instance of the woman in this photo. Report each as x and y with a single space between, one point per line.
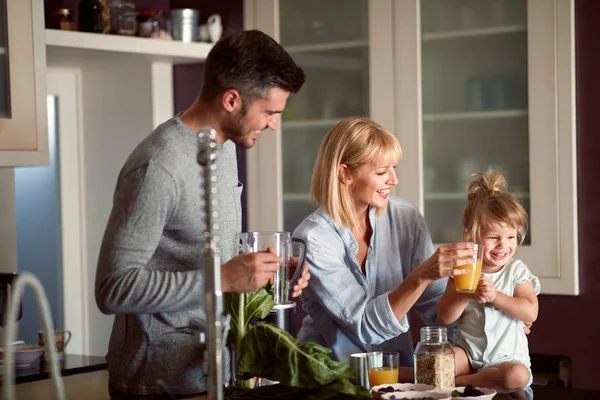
370 254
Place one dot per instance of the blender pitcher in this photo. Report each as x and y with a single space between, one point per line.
286 247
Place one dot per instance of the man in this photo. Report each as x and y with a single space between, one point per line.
150 269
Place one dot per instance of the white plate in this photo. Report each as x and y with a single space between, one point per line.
415 395
401 387
487 393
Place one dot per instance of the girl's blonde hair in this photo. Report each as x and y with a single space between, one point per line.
355 141
489 203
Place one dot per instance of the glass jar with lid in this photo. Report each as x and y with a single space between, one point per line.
89 16
146 22
434 358
62 19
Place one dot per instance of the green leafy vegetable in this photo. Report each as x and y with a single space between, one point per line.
243 307
271 352
304 370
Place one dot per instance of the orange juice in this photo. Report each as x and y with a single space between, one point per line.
382 376
467 283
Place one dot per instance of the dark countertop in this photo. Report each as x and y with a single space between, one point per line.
70 365
74 364
552 393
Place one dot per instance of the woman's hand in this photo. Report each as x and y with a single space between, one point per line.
445 259
486 291
302 282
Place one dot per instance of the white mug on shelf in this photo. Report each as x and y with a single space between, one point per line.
212 30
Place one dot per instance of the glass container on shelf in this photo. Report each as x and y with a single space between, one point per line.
123 18
90 16
62 19
329 39
5 111
146 21
475 103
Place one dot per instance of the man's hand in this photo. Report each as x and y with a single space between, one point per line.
249 271
486 291
527 327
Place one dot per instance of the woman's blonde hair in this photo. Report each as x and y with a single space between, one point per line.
355 141
489 203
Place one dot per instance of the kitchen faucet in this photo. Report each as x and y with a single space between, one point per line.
217 323
14 304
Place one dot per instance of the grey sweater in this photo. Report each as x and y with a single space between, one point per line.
150 269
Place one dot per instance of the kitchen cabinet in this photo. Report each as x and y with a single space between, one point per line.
496 90
465 85
23 127
343 45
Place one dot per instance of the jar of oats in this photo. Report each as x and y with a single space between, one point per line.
434 358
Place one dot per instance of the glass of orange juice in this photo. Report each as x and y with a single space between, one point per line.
382 368
468 282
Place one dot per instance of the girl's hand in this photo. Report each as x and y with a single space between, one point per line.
486 291
442 263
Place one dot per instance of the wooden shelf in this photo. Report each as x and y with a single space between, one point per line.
463 196
472 115
310 123
472 33
350 44
68 45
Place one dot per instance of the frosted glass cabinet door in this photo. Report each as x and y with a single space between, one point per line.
4 72
329 39
496 88
475 104
23 124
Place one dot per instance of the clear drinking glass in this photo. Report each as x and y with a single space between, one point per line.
292 252
467 283
382 368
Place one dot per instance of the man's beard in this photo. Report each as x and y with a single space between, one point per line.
235 131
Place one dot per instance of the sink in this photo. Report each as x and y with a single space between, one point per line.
10 329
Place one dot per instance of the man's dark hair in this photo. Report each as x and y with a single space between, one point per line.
252 63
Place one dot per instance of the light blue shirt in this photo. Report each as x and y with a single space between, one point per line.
349 311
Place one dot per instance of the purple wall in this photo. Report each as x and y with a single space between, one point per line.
188 78
567 324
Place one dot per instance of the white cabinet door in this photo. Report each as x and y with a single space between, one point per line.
346 50
464 84
496 90
23 126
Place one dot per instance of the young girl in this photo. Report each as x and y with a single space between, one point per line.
491 346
